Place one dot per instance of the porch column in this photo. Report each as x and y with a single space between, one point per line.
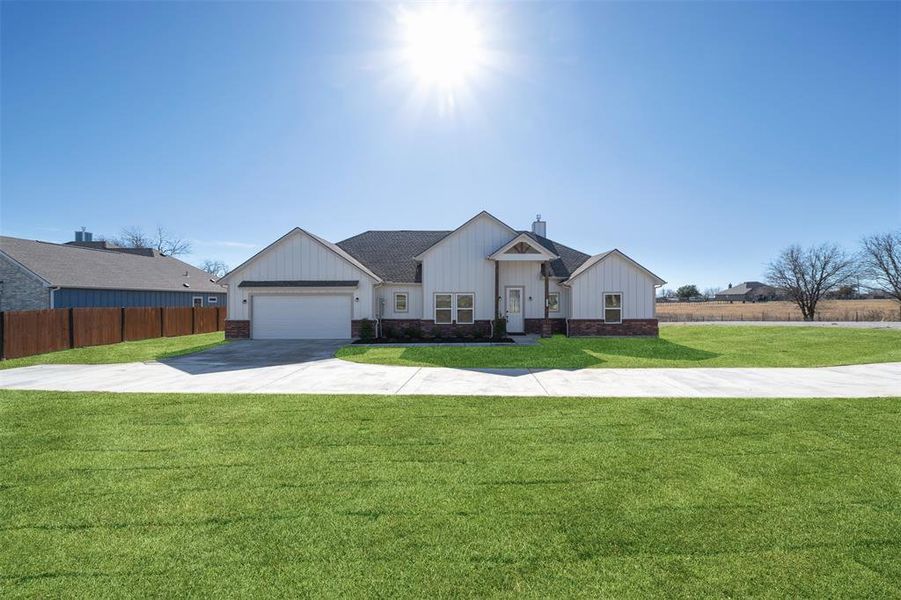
497 285
546 326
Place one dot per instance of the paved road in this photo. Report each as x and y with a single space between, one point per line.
308 367
847 324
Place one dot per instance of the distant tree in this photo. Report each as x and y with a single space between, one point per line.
880 261
216 268
807 274
162 240
710 293
687 292
666 293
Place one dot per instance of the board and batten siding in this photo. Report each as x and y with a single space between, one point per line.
613 274
298 257
414 301
77 298
459 263
528 275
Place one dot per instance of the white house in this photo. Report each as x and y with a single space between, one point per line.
302 286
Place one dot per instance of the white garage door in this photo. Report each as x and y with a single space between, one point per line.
311 316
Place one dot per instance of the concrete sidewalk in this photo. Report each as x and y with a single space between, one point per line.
333 376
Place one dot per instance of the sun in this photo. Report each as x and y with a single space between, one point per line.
442 44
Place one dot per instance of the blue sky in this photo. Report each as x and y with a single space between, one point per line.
699 138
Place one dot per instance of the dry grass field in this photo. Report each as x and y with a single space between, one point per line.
829 310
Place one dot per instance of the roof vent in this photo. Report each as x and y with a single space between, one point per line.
186 284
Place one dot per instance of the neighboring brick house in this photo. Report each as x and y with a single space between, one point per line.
444 282
36 275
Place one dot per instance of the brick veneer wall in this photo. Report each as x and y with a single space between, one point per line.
237 330
583 327
429 328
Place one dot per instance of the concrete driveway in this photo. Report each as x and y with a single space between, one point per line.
287 367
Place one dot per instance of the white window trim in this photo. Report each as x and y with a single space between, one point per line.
549 294
193 298
455 320
620 309
473 309
435 308
212 300
406 296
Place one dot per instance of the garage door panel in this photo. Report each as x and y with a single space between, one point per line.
301 316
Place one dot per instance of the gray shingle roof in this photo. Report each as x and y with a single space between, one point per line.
72 266
389 254
744 288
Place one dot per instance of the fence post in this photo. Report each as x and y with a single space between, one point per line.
162 321
193 319
2 337
71 328
122 323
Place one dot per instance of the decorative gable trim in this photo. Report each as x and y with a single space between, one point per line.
523 238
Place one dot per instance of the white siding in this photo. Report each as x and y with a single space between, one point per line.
414 301
613 274
460 264
528 275
298 257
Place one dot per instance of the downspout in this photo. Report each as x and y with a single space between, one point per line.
53 291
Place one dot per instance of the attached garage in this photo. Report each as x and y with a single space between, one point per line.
301 316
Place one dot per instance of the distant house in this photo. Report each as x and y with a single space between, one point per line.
749 291
36 275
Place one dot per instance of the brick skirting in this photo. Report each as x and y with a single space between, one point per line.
588 327
237 330
395 327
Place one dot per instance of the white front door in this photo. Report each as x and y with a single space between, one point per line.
301 316
515 322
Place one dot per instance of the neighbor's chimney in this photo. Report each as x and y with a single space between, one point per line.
539 227
84 235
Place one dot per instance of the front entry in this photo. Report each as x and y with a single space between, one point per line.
515 323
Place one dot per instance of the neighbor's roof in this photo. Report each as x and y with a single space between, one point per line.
390 254
742 289
70 266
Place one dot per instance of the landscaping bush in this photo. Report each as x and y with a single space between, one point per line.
500 328
367 329
413 332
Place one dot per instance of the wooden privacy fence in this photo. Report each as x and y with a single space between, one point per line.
29 332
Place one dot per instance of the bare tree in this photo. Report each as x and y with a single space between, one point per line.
710 293
162 240
216 268
806 274
880 261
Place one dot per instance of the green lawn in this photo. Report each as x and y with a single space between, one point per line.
152 349
290 496
700 346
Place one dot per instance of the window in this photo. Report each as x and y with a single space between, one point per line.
444 312
212 300
613 308
400 302
459 308
464 308
553 302
198 301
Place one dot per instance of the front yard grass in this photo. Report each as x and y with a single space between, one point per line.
143 350
700 346
295 496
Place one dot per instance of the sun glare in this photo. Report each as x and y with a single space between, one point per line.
442 44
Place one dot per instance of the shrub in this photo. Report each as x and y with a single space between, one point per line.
500 327
367 330
388 332
413 331
435 331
